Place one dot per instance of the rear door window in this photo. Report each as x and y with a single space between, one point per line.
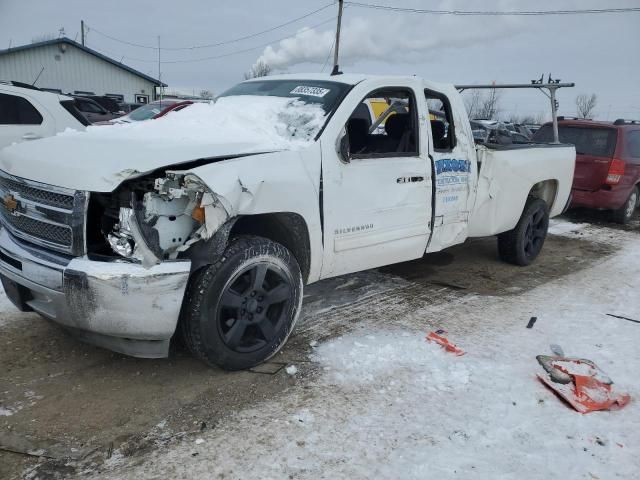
16 110
633 143
598 142
443 135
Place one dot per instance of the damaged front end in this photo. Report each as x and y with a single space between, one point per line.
154 218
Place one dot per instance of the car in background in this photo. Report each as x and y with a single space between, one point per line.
108 103
496 133
607 173
152 110
92 110
130 107
518 128
533 127
28 113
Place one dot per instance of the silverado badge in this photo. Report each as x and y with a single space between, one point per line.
10 203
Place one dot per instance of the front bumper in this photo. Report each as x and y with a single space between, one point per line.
116 305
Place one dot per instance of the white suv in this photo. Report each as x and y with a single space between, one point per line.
27 113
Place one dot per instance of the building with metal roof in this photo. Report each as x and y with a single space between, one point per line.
65 66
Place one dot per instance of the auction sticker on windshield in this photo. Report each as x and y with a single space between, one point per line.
310 91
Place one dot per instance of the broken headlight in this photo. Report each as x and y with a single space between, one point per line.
179 211
121 239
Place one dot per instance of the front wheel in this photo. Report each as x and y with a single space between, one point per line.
239 311
523 244
623 214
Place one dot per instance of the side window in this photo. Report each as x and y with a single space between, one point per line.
18 111
633 143
443 135
384 124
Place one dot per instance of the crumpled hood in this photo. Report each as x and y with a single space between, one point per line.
99 165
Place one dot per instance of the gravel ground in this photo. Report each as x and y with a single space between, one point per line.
120 417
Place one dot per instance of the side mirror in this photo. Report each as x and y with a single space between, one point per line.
342 146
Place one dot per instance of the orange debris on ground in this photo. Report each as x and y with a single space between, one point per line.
581 384
439 338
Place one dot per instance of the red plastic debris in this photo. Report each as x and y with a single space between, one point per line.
581 384
439 338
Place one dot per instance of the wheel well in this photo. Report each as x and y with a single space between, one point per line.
288 229
546 190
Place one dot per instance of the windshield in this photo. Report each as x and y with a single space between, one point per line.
324 94
304 101
148 111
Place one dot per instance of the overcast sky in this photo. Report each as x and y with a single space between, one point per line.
597 52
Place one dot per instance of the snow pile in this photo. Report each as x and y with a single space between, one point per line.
272 123
385 356
562 227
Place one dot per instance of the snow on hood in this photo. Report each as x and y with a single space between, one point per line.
101 157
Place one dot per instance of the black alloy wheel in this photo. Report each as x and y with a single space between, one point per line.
522 245
240 310
253 306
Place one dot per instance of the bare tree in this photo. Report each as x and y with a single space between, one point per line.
206 94
472 102
585 105
483 104
490 105
259 69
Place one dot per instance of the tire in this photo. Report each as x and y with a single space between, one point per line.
624 214
240 311
523 244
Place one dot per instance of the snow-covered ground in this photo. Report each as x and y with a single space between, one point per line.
384 403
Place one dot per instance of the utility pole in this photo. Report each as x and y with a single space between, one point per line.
159 72
82 32
554 113
336 69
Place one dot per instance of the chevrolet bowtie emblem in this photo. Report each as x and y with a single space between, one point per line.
10 203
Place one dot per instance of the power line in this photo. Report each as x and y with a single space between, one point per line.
225 42
215 57
251 48
324 65
116 55
493 12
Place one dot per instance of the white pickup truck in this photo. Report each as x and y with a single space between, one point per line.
209 222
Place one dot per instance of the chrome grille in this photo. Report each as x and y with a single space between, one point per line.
37 195
42 214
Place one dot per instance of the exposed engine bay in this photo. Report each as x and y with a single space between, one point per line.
153 218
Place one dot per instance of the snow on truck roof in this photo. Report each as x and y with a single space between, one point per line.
354 78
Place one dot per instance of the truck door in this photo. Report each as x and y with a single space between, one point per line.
376 183
452 150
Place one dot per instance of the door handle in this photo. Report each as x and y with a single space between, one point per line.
30 136
412 179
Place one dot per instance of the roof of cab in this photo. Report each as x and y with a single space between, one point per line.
355 78
348 78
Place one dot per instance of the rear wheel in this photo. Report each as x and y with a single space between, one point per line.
523 244
240 311
623 214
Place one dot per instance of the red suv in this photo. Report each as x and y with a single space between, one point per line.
607 174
